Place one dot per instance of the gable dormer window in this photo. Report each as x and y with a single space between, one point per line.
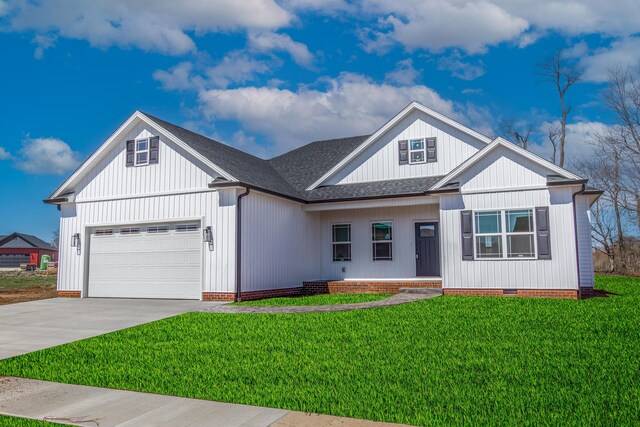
142 152
417 151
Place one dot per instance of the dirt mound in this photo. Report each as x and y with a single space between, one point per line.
10 296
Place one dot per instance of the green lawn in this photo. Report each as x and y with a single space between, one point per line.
25 422
443 361
14 280
318 299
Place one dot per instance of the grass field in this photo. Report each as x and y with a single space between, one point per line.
443 361
16 280
318 299
25 422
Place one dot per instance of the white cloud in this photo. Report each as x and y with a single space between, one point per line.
160 25
266 42
577 51
439 24
235 68
404 74
4 8
459 68
625 52
349 105
474 25
4 154
179 77
43 43
579 140
46 156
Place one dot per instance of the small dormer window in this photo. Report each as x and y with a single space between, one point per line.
142 152
417 151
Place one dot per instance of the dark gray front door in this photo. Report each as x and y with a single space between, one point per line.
427 250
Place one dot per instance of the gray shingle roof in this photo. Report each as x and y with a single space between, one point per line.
363 190
245 167
291 173
305 165
21 241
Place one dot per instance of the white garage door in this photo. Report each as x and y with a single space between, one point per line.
155 261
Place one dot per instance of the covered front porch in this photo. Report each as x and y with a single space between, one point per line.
379 245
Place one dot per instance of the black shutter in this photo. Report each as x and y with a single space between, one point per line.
154 149
403 152
131 152
542 229
432 155
466 227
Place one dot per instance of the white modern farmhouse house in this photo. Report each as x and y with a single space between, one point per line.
158 211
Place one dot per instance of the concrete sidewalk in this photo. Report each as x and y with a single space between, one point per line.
94 406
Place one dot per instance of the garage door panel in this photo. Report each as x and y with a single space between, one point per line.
146 265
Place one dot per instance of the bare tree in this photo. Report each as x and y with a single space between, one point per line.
55 239
553 133
623 99
509 128
562 74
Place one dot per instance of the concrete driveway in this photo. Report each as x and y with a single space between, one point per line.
31 326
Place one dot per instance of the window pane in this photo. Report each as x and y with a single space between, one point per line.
382 251
427 230
520 246
342 252
417 156
489 246
416 144
143 144
342 233
488 222
381 231
141 158
520 221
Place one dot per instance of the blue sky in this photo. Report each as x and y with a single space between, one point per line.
267 76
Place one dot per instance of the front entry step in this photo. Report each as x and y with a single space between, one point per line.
427 291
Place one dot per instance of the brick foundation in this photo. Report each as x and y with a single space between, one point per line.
523 293
252 295
68 294
364 287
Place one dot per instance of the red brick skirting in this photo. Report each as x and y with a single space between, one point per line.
252 295
524 293
364 287
68 294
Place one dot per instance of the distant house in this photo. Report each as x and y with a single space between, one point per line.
158 211
18 248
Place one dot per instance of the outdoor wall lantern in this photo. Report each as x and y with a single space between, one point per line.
208 237
75 242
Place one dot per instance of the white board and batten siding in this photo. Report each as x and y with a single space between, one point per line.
556 273
362 266
486 186
173 191
279 243
380 161
176 171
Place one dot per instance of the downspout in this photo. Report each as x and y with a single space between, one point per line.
575 232
239 244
